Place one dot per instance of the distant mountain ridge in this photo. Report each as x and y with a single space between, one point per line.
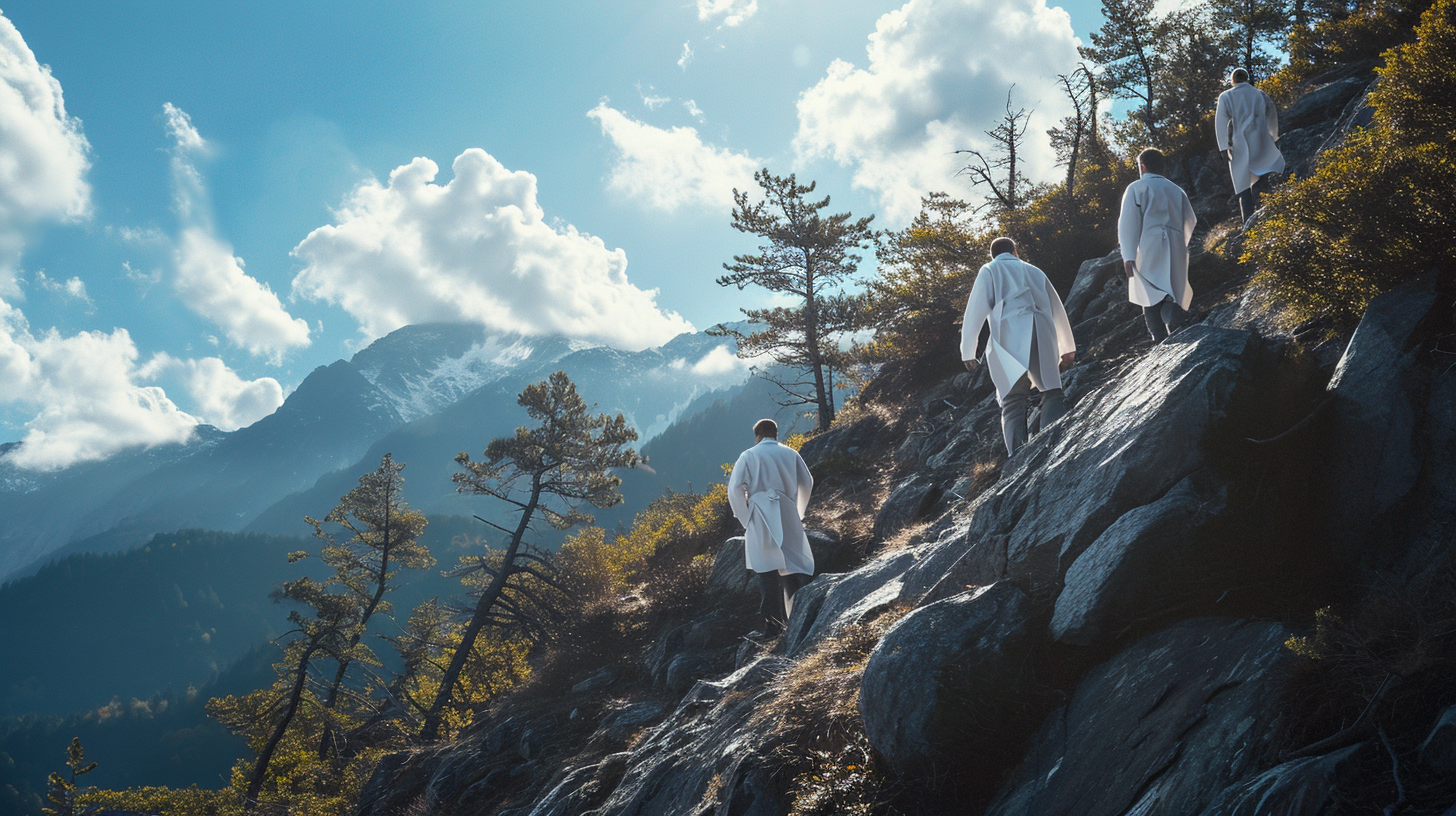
422 392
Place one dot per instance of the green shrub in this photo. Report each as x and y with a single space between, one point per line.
1381 209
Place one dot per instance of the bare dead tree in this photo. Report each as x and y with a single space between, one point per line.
1007 137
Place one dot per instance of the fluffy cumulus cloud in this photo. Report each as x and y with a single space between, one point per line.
476 249
732 12
211 280
93 399
43 154
937 79
718 363
668 168
218 396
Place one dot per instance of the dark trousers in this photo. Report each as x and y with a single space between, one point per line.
775 598
1164 319
1248 202
1014 410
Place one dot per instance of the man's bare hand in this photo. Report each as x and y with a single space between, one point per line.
972 366
1130 267
1067 360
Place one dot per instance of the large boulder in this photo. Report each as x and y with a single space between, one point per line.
832 603
701 759
947 687
1123 445
910 502
1375 459
1164 727
1100 286
1151 558
1298 786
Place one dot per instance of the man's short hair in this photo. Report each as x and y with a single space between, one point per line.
1002 244
1153 160
766 429
1239 75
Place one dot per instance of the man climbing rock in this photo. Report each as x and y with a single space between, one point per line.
769 492
1030 338
1247 125
1154 230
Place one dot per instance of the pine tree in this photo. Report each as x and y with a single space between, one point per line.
325 632
808 256
382 540
1126 46
63 789
1253 25
546 472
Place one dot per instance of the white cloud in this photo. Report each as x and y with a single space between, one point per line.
85 386
717 362
218 395
145 280
92 399
651 100
137 235
937 78
43 154
475 249
685 57
733 12
72 289
210 279
668 168
693 110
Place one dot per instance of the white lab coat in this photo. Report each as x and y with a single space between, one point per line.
1154 230
1247 123
769 492
1017 299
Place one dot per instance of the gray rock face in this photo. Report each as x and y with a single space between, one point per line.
1438 751
1123 446
1164 727
908 503
1375 453
832 602
947 685
1145 560
1300 786
1097 304
698 759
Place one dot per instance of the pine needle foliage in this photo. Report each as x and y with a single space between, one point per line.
807 255
382 533
549 471
64 794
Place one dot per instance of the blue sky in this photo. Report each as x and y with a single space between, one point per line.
212 213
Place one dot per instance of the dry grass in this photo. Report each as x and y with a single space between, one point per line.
904 538
815 704
1219 237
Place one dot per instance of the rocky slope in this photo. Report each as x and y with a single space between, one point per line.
1108 622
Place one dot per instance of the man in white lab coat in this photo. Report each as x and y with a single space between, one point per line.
1154 230
769 492
1030 338
1247 125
